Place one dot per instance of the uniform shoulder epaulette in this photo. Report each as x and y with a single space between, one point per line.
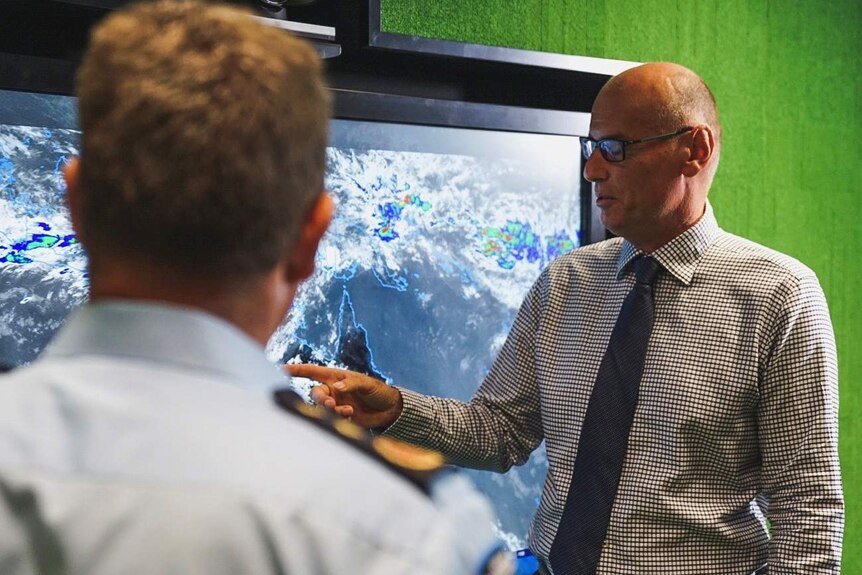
417 465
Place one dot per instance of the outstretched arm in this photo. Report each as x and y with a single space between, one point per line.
495 430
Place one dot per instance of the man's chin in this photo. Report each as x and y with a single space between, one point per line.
610 223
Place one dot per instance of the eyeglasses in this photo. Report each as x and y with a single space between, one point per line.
615 150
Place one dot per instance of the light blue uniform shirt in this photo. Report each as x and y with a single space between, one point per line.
145 440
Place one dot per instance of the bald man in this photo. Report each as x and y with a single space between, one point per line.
733 420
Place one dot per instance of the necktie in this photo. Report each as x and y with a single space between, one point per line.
604 437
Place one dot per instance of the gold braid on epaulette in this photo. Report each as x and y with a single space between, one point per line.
417 465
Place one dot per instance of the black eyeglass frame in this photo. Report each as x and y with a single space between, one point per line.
588 145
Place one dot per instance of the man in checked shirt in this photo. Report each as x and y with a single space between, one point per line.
731 466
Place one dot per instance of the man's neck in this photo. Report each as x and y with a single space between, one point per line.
250 305
652 243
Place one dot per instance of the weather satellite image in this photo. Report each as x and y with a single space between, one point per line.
438 235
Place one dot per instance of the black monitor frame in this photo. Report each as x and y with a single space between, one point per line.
379 38
504 89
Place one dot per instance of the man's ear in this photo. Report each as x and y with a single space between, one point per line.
301 258
701 151
71 171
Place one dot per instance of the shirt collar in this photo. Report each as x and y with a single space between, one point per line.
162 333
681 255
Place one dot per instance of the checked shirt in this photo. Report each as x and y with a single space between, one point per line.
736 419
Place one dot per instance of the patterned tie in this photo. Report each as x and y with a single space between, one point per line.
604 437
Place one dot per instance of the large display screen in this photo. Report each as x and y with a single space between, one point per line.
439 233
42 267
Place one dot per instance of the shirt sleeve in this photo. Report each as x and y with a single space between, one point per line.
501 425
798 434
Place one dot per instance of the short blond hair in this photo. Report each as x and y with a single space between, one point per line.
204 137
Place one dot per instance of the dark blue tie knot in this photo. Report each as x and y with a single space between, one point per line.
646 270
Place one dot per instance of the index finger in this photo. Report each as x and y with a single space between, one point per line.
318 373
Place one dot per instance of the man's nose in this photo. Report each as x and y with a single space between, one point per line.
595 168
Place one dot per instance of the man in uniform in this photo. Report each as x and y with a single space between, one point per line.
147 439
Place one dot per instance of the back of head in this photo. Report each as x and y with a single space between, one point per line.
204 136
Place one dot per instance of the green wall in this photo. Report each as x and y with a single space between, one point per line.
787 75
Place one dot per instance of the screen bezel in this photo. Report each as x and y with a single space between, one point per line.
379 38
50 76
27 73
